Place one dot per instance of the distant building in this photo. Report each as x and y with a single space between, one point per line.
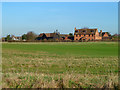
115 37
65 37
86 34
48 36
15 38
105 36
54 36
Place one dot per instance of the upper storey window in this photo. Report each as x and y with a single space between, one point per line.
92 30
84 30
76 35
76 31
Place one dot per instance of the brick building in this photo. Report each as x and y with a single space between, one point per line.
48 36
66 37
106 36
54 36
86 34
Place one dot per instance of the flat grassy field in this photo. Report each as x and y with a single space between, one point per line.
60 65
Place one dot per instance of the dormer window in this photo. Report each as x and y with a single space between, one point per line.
84 30
76 30
92 30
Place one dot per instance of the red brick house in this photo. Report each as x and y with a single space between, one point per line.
86 34
64 37
106 36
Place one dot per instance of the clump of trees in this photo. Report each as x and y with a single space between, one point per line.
71 36
30 36
8 38
24 37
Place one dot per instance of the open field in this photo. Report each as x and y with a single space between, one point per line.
60 65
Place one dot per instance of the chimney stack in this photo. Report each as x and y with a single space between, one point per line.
75 28
100 31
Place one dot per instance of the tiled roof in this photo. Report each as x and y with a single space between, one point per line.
85 31
41 35
64 35
105 32
47 34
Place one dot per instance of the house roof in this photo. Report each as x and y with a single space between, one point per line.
47 34
41 35
53 34
17 37
64 35
85 31
50 34
104 33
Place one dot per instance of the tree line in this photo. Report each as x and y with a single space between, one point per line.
30 36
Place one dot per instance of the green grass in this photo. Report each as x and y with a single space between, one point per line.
76 49
63 64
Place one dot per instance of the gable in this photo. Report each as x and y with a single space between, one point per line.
105 34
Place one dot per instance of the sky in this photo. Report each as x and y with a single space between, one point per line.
60 0
45 17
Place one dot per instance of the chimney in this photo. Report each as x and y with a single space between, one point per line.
100 31
75 28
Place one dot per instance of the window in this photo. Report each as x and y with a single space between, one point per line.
92 30
92 35
76 30
84 34
76 35
84 30
89 35
80 35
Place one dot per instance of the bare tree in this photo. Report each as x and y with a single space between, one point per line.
31 36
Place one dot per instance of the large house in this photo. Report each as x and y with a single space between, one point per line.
54 36
86 34
48 36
